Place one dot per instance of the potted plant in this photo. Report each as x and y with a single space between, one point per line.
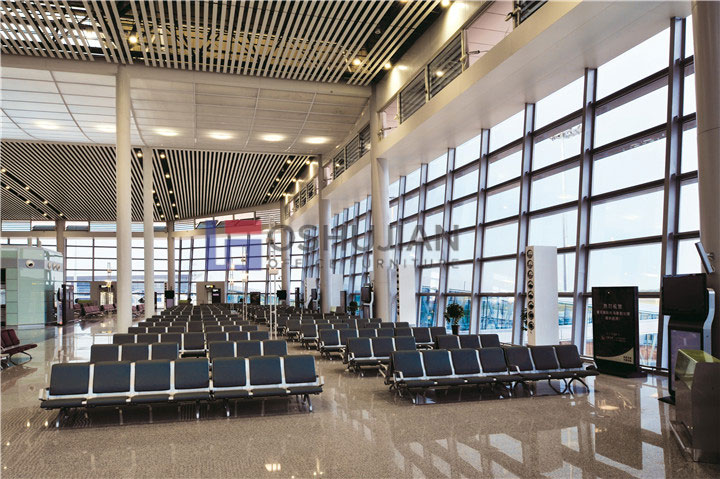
454 313
352 307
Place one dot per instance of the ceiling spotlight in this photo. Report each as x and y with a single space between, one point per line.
439 73
7 187
162 156
3 170
154 192
167 175
294 180
277 179
316 140
46 125
174 205
27 188
45 202
45 215
162 216
307 162
157 204
220 135
27 202
133 39
171 192
176 216
272 137
289 162
166 132
445 3
61 214
387 65
139 155
357 62
268 194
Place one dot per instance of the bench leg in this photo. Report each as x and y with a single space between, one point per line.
120 415
60 417
197 410
227 407
554 388
150 413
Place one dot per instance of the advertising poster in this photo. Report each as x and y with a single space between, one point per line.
615 329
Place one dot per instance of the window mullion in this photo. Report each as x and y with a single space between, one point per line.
479 230
445 240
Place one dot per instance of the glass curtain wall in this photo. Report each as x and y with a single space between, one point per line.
605 169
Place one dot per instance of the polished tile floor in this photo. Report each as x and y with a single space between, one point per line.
358 429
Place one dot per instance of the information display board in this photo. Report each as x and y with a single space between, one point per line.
616 329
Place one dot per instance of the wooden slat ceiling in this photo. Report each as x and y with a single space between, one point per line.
326 41
78 181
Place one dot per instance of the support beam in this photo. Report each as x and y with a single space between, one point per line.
148 232
171 281
706 32
286 245
380 178
123 188
324 250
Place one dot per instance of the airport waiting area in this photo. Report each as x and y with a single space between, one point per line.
368 239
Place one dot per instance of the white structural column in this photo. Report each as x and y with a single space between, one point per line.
380 178
171 259
706 28
285 258
149 232
325 251
60 245
123 187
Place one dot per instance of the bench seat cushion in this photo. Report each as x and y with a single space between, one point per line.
231 393
149 398
192 396
305 389
107 401
62 402
265 392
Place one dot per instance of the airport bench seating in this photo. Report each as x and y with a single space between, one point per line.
133 351
90 310
334 341
11 344
148 382
413 371
375 352
109 308
194 343
467 341
246 349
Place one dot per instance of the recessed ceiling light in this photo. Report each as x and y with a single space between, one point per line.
162 216
316 140
139 155
61 214
133 39
294 180
106 128
439 73
272 137
157 204
268 194
154 192
277 179
307 162
445 3
174 205
220 135
289 162
357 62
167 175
387 65
27 202
3 170
47 125
170 192
166 132
7 187
45 214
162 156
27 188
45 202
176 216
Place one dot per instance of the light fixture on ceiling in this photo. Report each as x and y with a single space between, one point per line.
220 135
46 125
387 65
154 192
162 156
60 214
174 205
357 62
3 170
316 140
167 175
162 216
277 179
176 216
268 194
166 132
139 155
273 137
27 202
307 162
294 180
45 202
45 215
157 204
7 187
106 128
133 39
289 162
445 3
27 188
439 73
170 191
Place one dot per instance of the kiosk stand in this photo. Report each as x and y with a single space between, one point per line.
691 307
366 298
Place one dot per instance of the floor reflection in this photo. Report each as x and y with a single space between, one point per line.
358 429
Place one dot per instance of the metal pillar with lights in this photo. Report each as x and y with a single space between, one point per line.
148 232
123 171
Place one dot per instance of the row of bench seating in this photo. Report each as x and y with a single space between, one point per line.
133 351
375 352
246 349
190 329
467 341
300 331
109 308
189 343
433 369
119 383
90 310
